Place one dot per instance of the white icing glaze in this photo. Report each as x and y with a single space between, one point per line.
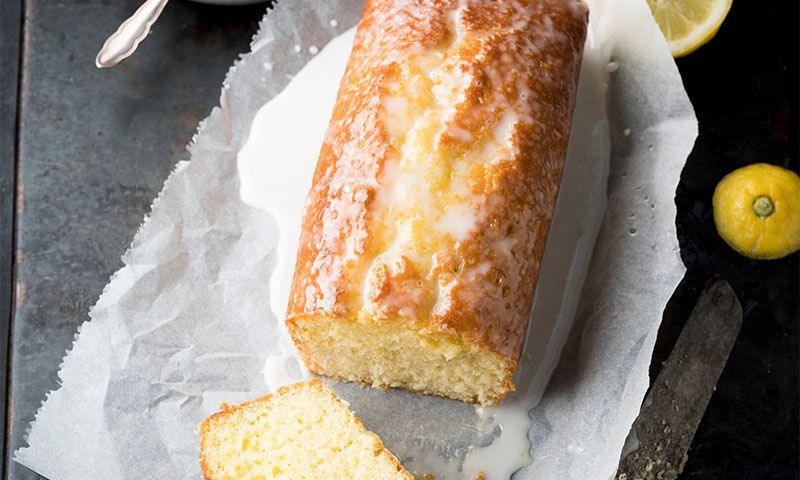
276 171
277 162
286 368
458 220
504 128
576 222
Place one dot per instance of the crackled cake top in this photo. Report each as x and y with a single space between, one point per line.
439 172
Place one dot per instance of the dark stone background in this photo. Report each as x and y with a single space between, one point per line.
744 87
83 152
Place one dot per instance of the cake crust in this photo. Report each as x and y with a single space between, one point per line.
443 224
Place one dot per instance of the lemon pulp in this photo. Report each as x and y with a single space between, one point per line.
689 24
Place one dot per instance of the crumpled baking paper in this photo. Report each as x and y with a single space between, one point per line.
186 324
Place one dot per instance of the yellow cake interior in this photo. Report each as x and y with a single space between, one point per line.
394 354
302 432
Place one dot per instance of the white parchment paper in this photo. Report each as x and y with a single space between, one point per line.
186 324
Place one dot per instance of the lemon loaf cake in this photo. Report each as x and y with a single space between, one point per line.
302 431
433 193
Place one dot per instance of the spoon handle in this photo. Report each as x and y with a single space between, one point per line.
122 43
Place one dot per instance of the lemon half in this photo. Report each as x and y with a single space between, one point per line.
689 24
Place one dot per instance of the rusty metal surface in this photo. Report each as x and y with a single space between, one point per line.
10 28
95 147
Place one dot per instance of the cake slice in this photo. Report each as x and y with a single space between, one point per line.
302 431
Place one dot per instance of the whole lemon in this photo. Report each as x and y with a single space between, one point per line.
757 211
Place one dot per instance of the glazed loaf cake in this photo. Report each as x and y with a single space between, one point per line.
302 431
431 201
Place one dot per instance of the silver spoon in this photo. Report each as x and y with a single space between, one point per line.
122 43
